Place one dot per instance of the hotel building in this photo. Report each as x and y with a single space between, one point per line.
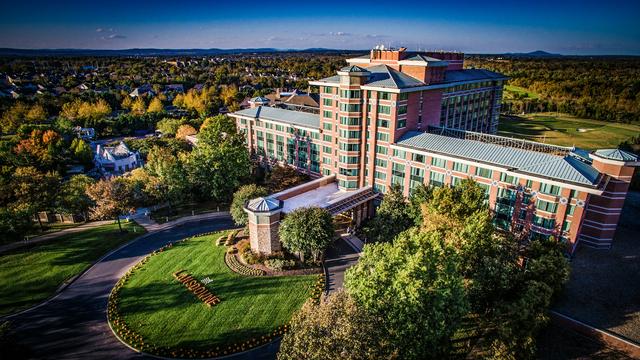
395 117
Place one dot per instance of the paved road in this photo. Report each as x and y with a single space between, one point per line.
73 325
340 256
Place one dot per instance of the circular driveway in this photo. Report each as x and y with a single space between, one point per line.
73 325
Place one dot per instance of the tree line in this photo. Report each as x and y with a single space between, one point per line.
601 88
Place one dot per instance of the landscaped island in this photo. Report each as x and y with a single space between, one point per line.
154 312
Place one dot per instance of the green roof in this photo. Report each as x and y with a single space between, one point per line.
567 168
616 154
292 117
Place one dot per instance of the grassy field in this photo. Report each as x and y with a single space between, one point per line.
517 90
165 313
32 274
567 130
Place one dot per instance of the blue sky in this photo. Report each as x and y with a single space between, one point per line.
568 27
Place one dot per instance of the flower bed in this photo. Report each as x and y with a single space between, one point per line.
155 345
236 266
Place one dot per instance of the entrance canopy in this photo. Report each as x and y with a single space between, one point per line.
323 193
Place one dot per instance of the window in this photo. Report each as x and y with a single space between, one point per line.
399 153
350 107
327 102
326 137
571 209
485 173
384 109
279 127
382 123
402 109
349 147
523 214
381 163
350 94
326 149
380 188
437 162
382 136
549 189
328 90
544 222
382 150
417 158
401 123
326 160
348 184
529 184
397 174
566 225
327 114
509 179
349 172
546 206
436 179
384 96
353 121
455 181
526 199
459 167
403 96
349 159
416 178
350 134
380 175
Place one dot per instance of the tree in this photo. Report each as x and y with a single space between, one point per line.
283 177
73 198
307 231
335 329
392 217
413 283
41 147
168 126
155 106
34 191
220 162
14 224
244 194
184 131
421 194
171 176
112 198
138 107
82 152
21 113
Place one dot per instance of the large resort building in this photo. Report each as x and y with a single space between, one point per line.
395 117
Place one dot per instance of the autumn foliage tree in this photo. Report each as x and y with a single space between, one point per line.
112 198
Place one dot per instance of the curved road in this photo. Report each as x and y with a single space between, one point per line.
73 324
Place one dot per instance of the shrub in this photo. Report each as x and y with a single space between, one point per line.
243 246
279 264
231 238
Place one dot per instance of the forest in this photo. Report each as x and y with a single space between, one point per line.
601 88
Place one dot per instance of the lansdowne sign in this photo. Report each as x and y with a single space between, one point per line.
197 288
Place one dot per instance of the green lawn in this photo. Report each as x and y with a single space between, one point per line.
511 89
32 274
564 130
166 314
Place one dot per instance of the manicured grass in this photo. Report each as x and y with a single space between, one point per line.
564 130
511 89
166 314
31 274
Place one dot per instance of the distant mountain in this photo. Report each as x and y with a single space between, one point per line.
150 52
534 54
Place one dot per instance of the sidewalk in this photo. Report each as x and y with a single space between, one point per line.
53 235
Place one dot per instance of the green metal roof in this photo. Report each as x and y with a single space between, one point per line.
616 154
282 115
561 168
354 68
